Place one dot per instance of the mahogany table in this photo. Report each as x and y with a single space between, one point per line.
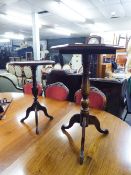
36 105
84 118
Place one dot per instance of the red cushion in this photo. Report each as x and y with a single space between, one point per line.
28 88
56 92
96 99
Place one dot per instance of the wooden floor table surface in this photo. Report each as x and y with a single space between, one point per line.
53 152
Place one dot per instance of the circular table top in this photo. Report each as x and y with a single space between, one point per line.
55 152
32 63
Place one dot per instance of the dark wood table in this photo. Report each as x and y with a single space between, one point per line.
84 118
36 105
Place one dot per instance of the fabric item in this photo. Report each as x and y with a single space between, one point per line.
27 88
97 99
57 91
78 95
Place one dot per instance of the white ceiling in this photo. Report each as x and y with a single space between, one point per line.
98 14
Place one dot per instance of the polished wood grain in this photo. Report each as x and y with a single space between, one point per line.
53 152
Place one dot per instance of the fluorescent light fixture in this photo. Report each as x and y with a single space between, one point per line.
19 19
99 27
102 27
12 35
61 31
19 15
66 12
113 13
4 40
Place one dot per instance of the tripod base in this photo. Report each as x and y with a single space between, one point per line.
84 122
36 107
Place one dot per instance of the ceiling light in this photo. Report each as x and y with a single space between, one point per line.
18 15
12 35
19 19
114 15
61 31
4 40
99 27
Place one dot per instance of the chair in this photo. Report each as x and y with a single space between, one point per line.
48 68
28 73
27 88
44 71
97 98
66 67
56 91
7 65
19 75
11 69
9 85
57 66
